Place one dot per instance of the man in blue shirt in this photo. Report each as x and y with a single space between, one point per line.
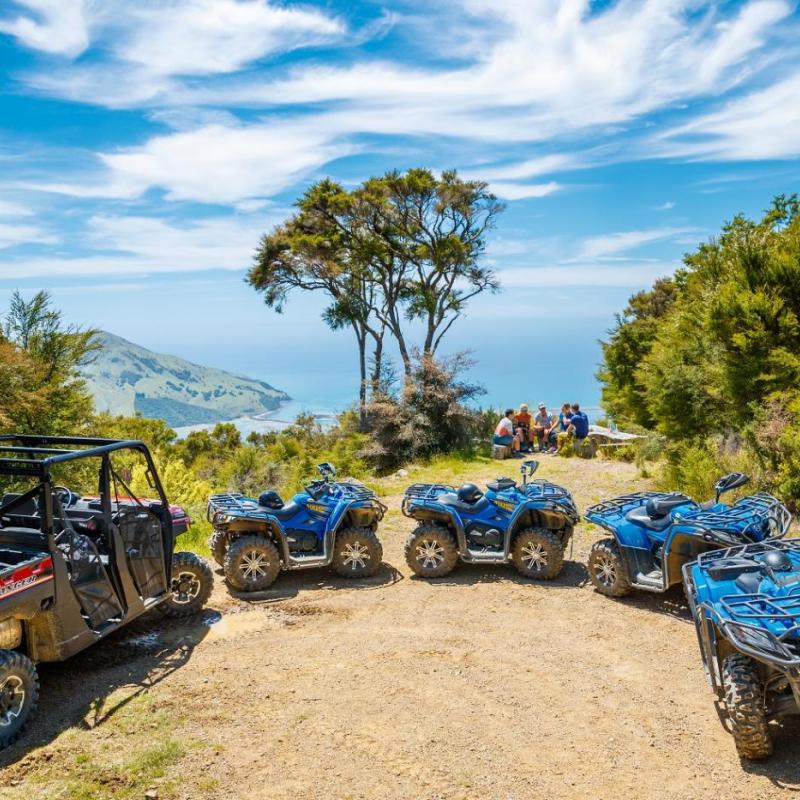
577 429
579 421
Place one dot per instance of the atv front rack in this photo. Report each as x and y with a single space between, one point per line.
744 515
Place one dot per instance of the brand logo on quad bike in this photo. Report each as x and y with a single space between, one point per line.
318 508
26 577
505 505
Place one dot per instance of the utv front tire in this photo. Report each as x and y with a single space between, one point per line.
538 554
744 700
430 551
19 694
190 586
607 570
357 553
251 564
218 544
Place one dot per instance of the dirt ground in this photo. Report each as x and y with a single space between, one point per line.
482 685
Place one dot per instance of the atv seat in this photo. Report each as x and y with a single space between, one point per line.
452 499
658 507
286 511
640 517
29 538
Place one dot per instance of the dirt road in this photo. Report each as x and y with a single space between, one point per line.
482 685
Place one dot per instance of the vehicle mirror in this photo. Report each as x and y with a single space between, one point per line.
729 482
126 474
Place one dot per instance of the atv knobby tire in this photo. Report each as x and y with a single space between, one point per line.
251 563
430 551
607 570
357 553
218 544
190 586
19 694
744 701
538 554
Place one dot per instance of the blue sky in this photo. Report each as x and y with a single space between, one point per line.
145 146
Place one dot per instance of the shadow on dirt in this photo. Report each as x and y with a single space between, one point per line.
672 603
574 576
783 768
74 693
290 584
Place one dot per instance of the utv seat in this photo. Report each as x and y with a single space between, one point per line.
29 538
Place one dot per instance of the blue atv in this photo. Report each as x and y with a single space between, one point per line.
653 534
330 523
746 606
529 525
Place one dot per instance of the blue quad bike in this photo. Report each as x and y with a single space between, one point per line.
746 606
653 534
529 525
331 523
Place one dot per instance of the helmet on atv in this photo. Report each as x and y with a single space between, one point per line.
777 560
270 500
469 493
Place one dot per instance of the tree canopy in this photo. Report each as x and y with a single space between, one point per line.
400 248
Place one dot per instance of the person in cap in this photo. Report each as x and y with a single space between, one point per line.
543 424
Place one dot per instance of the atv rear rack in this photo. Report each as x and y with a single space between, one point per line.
424 491
621 505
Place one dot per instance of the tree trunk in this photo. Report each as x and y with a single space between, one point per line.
362 365
377 363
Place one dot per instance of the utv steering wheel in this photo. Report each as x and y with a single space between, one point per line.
65 496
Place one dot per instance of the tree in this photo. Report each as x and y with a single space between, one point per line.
399 248
51 397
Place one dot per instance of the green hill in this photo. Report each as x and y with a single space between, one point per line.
125 378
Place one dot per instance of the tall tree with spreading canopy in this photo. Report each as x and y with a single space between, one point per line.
401 248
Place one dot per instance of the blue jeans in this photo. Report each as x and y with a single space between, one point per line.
504 440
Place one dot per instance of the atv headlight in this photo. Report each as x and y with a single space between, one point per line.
222 519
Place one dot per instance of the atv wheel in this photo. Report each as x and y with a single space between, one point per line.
19 693
218 544
357 553
744 700
190 586
251 564
606 570
431 552
538 554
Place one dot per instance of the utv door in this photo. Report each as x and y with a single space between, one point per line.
143 540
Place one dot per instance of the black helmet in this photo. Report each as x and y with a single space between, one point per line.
469 493
270 500
777 560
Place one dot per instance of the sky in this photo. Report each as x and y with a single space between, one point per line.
145 146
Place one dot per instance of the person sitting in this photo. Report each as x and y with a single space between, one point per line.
542 424
577 429
504 433
563 425
522 427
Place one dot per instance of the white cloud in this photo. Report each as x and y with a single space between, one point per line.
583 275
614 243
213 164
136 245
668 205
522 191
763 124
54 26
12 235
12 210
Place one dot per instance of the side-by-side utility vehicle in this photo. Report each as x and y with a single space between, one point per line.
75 568
330 523
746 606
529 525
653 534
